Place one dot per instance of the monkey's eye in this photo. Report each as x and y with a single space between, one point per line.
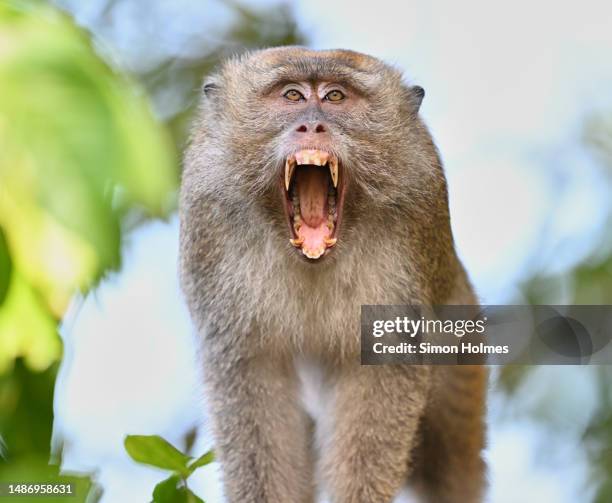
293 95
334 96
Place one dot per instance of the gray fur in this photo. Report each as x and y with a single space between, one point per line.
258 306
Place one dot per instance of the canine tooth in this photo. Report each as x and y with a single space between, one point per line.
333 168
297 242
289 166
330 242
296 226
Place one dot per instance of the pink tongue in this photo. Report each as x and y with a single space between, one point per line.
312 191
314 237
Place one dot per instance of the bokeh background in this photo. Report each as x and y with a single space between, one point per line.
95 102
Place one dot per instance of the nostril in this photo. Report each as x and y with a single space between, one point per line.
320 128
302 129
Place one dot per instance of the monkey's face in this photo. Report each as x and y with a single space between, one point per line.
313 183
312 132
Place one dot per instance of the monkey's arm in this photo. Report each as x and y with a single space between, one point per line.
260 432
376 417
451 468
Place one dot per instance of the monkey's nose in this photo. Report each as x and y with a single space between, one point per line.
316 127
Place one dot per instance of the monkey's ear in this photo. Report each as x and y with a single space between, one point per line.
210 87
415 96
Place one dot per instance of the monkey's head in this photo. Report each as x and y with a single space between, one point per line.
307 143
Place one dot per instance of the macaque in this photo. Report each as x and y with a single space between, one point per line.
311 186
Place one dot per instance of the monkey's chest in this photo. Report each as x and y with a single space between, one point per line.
316 395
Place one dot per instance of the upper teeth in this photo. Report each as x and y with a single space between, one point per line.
316 157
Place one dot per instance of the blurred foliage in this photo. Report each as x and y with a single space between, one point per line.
598 138
26 418
589 282
598 436
81 156
72 166
155 451
27 404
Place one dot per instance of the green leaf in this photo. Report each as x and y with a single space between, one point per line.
203 460
155 451
5 267
79 147
167 491
81 157
27 329
170 491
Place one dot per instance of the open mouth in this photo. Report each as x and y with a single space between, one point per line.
314 192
